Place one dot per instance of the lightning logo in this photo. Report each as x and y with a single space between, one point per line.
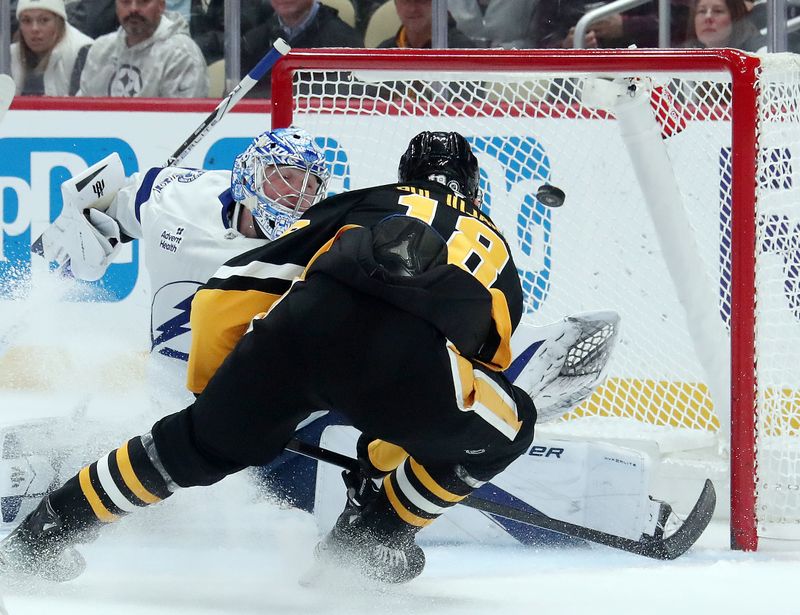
170 332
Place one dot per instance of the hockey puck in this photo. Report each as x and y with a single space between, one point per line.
550 196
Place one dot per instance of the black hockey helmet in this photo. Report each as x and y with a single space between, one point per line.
444 157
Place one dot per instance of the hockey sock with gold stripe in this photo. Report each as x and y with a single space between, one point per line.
414 496
128 478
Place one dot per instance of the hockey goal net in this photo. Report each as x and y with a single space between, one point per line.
681 214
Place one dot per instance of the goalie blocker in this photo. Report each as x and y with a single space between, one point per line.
83 235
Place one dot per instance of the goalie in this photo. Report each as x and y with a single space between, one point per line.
189 222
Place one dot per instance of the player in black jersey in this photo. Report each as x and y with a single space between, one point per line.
393 305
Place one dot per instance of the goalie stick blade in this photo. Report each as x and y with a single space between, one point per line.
691 529
668 548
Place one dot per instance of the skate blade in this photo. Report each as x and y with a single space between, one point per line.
338 579
69 567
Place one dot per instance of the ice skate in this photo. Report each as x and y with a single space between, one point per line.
356 546
41 547
352 547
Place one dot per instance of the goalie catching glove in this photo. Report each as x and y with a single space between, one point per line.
83 234
562 370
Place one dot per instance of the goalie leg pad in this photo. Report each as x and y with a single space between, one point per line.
36 456
598 485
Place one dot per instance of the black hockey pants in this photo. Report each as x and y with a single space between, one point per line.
327 346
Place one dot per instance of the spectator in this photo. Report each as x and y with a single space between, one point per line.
416 17
554 24
495 23
98 17
717 23
364 10
12 9
301 23
93 17
182 7
44 57
722 23
208 25
150 54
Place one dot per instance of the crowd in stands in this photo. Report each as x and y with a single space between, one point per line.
162 48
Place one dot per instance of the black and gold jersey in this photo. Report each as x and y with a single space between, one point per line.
475 300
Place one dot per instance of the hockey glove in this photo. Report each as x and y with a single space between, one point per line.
90 240
83 233
568 366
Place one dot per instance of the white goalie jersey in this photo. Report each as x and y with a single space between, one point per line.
183 219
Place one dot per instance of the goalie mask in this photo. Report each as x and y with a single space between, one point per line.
443 157
278 177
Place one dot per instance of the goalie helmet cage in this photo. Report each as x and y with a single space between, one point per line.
678 168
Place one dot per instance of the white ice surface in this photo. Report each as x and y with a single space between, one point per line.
222 550
218 552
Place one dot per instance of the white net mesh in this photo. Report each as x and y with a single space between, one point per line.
778 296
624 240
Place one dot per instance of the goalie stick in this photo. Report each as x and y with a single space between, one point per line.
279 49
655 547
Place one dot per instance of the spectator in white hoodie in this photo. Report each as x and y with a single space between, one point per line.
43 59
150 55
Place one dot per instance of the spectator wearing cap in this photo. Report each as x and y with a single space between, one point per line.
44 57
150 55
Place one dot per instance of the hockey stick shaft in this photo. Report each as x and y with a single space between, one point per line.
656 548
279 49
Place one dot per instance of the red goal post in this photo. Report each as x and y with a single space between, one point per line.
669 231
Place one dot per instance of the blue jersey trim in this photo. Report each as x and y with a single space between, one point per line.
143 193
228 202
